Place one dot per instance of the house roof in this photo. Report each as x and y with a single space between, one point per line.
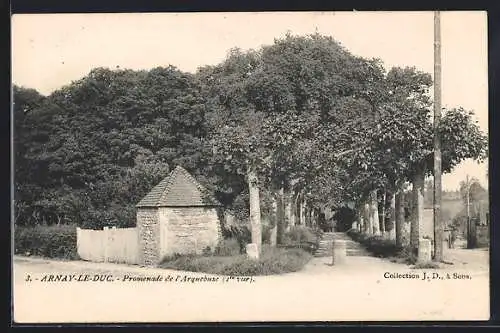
179 189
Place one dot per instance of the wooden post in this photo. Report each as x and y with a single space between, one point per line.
438 223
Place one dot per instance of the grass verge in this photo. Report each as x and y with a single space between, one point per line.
272 261
384 248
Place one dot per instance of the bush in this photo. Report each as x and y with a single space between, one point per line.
383 248
272 261
57 241
300 234
301 238
242 235
228 247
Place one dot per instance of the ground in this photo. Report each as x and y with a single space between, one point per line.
356 291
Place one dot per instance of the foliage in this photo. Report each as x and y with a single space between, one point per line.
302 238
344 217
93 148
471 191
299 234
57 241
304 112
228 247
377 245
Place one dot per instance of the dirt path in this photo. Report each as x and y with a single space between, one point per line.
357 291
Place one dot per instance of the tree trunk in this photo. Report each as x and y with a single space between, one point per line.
374 213
306 214
310 215
274 228
302 212
402 234
295 210
361 219
382 215
368 220
255 221
418 209
289 214
280 222
391 225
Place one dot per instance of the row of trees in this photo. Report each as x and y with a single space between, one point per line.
299 123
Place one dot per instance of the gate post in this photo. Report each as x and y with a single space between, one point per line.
106 243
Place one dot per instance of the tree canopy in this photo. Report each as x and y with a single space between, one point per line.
304 112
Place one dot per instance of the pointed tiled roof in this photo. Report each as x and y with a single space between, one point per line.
178 189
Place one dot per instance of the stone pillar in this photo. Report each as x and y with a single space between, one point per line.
424 250
252 251
148 225
339 252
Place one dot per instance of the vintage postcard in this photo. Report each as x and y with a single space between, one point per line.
250 167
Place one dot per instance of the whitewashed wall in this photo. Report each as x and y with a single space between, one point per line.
108 245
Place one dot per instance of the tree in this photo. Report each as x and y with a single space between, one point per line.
104 140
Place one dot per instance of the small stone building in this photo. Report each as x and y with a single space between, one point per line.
178 216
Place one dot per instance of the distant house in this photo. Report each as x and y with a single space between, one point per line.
179 216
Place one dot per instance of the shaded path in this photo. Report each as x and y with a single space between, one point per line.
325 245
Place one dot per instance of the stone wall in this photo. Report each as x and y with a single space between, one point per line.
149 236
190 230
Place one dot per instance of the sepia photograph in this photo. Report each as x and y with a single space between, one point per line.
250 167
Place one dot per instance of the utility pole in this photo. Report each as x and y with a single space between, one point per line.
438 223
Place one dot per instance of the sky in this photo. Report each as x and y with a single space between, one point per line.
52 50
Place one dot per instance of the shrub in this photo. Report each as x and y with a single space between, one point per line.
228 247
301 238
57 241
272 261
383 248
299 234
241 233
